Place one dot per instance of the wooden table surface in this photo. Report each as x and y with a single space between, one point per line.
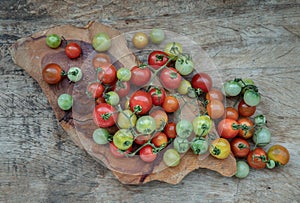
256 39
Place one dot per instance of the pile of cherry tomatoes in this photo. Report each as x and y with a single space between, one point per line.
147 112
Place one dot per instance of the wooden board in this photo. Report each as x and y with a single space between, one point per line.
32 54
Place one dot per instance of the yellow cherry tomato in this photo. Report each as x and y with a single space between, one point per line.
140 40
220 148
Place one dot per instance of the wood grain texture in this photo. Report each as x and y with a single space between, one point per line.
257 39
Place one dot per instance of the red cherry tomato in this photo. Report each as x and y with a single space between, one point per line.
226 128
157 59
246 133
160 139
73 50
107 73
202 81
158 95
140 102
147 155
140 76
170 130
231 113
142 139
257 158
245 110
170 78
214 94
116 152
52 73
122 88
170 104
240 147
104 115
95 90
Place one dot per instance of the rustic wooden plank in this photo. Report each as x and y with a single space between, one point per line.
246 38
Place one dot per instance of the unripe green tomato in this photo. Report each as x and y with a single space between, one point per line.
184 87
173 49
123 139
157 35
53 41
242 169
101 42
126 119
112 98
65 101
101 135
124 74
181 145
74 74
262 137
171 158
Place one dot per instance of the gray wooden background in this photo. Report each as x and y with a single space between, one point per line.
257 39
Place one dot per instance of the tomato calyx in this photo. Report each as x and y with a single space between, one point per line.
242 146
137 109
159 57
216 151
106 116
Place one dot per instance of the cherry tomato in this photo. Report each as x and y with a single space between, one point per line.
232 88
157 59
140 75
53 41
157 35
73 50
107 73
184 128
52 73
173 49
246 110
240 147
140 40
142 139
170 104
126 119
220 148
226 128
122 88
170 78
242 169
145 125
257 158
181 145
231 113
202 81
262 136
158 95
214 94
248 130
202 125
215 109
184 65
101 42
160 117
117 152
160 139
170 130
101 59
171 158
95 90
147 155
279 154
123 139
140 102
104 115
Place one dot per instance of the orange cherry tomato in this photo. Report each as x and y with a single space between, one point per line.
246 110
231 113
170 104
160 117
246 133
279 154
52 73
214 94
215 109
240 147
160 139
226 128
101 59
257 158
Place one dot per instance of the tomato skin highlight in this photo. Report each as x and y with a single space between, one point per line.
226 130
202 81
140 99
104 115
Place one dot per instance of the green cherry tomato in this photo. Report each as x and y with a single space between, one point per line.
53 41
146 125
171 158
181 145
184 128
101 42
260 120
101 136
126 119
251 97
232 88
184 87
184 65
157 35
199 145
173 49
65 101
202 125
262 137
74 74
123 139
112 98
124 74
242 169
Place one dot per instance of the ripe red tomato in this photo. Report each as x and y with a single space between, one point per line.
100 59
170 78
52 73
95 90
157 59
170 130
122 88
170 104
107 73
160 139
140 75
257 158
73 50
104 115
214 94
147 155
158 95
246 133
245 110
140 102
231 113
240 147
226 129
142 139
116 152
202 81
215 109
